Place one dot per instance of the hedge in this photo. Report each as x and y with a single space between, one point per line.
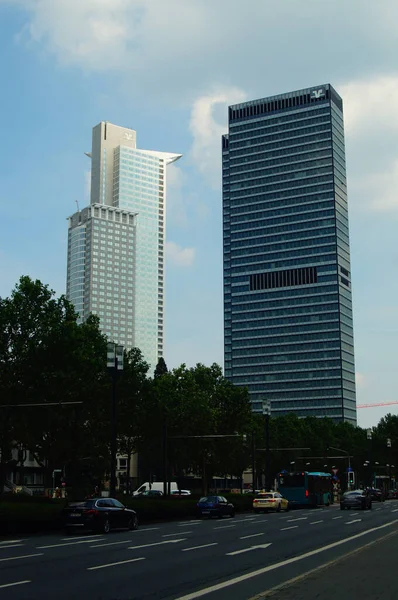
25 514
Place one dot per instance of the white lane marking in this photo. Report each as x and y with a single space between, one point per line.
378 508
245 537
20 557
299 519
120 562
198 547
5 585
178 533
395 510
289 561
337 517
11 546
81 537
354 514
156 544
148 529
286 528
111 544
90 541
315 522
353 521
224 527
260 546
189 523
249 519
10 542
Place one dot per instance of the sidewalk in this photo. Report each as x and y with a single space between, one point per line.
368 574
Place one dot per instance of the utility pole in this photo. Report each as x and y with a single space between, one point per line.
267 414
389 462
254 460
369 438
165 458
114 363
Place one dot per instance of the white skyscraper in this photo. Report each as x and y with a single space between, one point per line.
116 245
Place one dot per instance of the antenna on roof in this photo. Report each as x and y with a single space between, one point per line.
77 204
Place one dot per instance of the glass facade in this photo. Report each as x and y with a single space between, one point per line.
116 245
288 327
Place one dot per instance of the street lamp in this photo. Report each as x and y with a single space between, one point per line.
267 414
389 466
114 363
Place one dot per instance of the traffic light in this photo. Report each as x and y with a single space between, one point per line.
351 478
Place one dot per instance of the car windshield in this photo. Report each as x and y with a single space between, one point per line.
269 495
208 499
356 493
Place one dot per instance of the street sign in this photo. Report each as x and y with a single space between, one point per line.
349 469
335 471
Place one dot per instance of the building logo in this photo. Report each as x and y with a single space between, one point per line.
317 93
128 136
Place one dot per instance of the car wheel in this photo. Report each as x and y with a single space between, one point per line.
133 523
341 507
370 506
233 514
219 515
106 526
278 509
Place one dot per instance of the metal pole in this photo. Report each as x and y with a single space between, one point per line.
267 454
165 459
112 487
254 461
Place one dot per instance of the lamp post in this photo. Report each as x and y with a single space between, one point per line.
369 438
114 362
267 414
389 462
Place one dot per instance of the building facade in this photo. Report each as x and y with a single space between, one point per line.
288 325
116 246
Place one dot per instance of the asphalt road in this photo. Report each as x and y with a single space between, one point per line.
239 558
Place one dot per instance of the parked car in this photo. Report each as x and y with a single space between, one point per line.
215 506
356 499
392 494
376 494
99 514
265 501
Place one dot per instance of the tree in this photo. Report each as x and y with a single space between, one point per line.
133 389
161 368
46 358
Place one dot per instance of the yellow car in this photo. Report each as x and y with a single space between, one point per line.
265 501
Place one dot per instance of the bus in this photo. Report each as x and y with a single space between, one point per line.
306 489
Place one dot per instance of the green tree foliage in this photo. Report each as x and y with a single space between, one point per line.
45 358
161 368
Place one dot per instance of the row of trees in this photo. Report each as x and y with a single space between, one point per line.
55 401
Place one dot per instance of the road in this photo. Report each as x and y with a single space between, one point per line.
240 558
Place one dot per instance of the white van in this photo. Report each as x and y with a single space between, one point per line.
155 485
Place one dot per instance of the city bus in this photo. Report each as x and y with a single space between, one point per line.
306 489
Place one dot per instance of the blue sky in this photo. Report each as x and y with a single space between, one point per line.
168 70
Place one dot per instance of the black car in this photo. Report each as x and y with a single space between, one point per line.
376 494
99 514
356 499
215 506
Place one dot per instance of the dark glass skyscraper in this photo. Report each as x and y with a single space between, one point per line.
288 325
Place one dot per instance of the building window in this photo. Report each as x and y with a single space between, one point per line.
287 278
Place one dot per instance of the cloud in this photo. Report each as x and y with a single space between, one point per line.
360 379
381 188
370 104
182 257
206 131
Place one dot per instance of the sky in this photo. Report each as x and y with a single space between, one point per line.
169 70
